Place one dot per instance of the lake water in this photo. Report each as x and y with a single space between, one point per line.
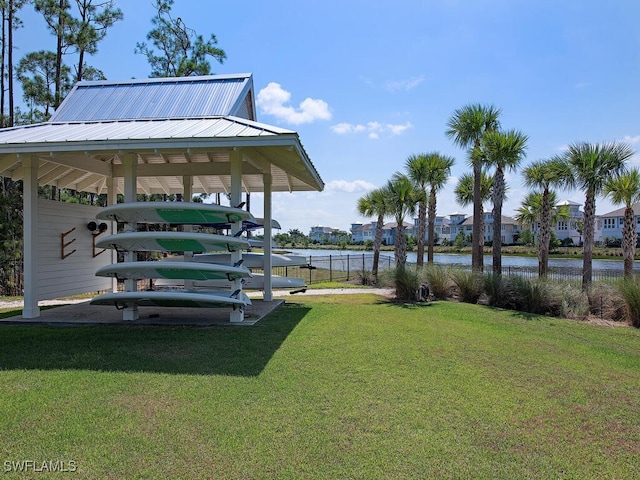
465 259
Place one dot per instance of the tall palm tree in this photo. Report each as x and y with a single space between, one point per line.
402 202
417 167
464 193
545 175
625 188
429 170
504 151
375 203
531 209
592 165
466 127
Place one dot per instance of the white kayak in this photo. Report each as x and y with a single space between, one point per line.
173 270
171 242
173 212
255 282
170 298
249 259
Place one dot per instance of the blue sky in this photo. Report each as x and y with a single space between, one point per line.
368 83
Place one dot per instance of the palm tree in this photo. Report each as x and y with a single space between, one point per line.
428 170
418 167
402 202
466 127
504 151
625 188
375 203
592 165
544 175
531 210
464 192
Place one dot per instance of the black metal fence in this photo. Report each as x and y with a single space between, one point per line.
357 268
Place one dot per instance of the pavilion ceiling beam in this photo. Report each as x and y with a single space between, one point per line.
45 169
143 185
84 163
88 182
102 186
203 184
71 178
164 185
57 172
175 169
226 186
6 163
289 183
258 161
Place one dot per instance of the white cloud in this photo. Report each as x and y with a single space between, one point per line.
342 128
273 100
398 129
349 187
373 129
405 84
631 140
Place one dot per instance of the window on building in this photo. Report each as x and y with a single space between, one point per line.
609 223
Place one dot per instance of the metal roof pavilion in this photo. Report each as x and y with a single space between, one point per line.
166 135
174 126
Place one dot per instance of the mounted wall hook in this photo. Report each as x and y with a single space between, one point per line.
64 245
97 229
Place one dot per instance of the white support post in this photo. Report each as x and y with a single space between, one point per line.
235 158
112 199
268 291
30 225
130 162
187 194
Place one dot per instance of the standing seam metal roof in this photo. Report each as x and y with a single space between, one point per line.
175 127
187 97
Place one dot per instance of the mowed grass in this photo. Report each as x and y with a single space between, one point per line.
331 387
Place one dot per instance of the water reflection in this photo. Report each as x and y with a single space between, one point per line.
465 259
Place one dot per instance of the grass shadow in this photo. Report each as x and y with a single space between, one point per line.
527 315
172 349
407 305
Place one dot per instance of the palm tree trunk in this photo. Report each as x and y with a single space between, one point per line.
401 245
498 195
477 234
629 238
432 226
545 235
377 243
588 238
422 219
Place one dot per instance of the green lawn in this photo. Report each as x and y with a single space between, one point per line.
330 387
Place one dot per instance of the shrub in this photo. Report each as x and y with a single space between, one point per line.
606 301
365 277
531 296
630 290
567 300
437 277
406 282
468 283
499 291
